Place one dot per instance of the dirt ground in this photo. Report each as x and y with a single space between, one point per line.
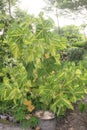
73 120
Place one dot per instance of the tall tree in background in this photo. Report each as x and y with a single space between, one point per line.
6 5
9 7
72 9
69 4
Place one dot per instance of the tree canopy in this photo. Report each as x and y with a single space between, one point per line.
69 4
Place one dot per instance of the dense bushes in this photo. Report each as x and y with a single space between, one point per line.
75 54
82 44
36 78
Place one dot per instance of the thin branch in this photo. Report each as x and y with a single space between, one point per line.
9 7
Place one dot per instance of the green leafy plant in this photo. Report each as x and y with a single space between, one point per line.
32 122
82 107
37 73
62 88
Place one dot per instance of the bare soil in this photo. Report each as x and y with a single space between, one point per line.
74 120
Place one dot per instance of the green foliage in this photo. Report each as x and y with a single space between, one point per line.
32 122
62 88
76 45
12 88
85 45
5 106
34 70
72 33
69 4
31 53
75 54
82 107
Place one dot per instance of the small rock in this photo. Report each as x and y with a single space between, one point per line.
11 118
3 117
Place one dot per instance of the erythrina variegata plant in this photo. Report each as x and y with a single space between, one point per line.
36 78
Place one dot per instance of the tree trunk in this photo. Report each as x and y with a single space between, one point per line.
58 22
9 7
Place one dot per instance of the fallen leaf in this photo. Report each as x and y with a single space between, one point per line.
29 105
